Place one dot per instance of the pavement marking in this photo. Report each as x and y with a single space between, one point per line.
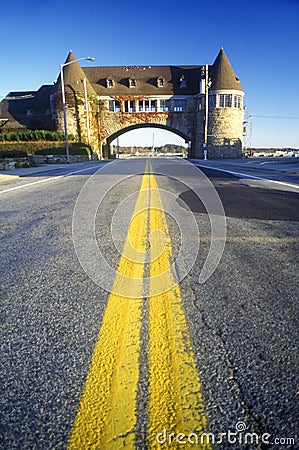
246 175
175 400
106 417
250 239
48 179
107 414
8 177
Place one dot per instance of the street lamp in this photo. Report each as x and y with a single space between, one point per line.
89 58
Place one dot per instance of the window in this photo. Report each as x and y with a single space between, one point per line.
153 106
147 105
132 82
183 82
160 82
164 105
201 103
179 105
225 100
114 106
109 83
141 105
212 101
129 105
237 101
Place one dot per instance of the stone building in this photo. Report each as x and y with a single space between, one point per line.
104 102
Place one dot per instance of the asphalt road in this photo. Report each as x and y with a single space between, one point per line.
242 321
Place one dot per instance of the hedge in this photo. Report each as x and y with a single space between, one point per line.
32 135
12 154
45 148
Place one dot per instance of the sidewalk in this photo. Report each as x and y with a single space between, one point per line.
282 165
6 175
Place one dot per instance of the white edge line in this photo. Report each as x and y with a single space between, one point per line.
245 175
50 179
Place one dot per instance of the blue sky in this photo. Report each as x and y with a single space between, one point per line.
260 38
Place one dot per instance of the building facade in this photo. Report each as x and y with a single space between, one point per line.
202 104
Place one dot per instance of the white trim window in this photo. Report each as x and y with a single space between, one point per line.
160 82
237 101
114 106
147 105
225 100
109 83
132 82
129 106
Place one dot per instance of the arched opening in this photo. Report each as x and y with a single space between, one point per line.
151 138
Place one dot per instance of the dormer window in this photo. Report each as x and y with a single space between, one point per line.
132 82
109 83
160 82
183 82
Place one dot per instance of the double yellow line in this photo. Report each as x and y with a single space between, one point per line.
107 414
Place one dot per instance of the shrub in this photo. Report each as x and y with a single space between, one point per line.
49 147
12 154
74 149
32 135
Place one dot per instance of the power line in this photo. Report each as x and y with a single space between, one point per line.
278 117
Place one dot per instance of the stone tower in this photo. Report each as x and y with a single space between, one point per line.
81 101
225 111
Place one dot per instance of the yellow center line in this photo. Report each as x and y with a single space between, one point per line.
106 418
175 401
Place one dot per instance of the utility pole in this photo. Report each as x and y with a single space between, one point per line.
87 111
206 110
153 143
67 151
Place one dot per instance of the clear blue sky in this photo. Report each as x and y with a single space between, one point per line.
260 38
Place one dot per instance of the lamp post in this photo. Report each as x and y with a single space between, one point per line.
64 105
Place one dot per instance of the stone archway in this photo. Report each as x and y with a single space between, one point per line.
107 147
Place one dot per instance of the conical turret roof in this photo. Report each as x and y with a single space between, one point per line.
222 74
74 75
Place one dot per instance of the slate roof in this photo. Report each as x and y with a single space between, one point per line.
223 75
73 76
146 79
16 104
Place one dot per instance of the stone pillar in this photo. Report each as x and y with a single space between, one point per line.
198 137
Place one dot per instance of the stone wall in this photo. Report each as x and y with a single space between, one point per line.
225 126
